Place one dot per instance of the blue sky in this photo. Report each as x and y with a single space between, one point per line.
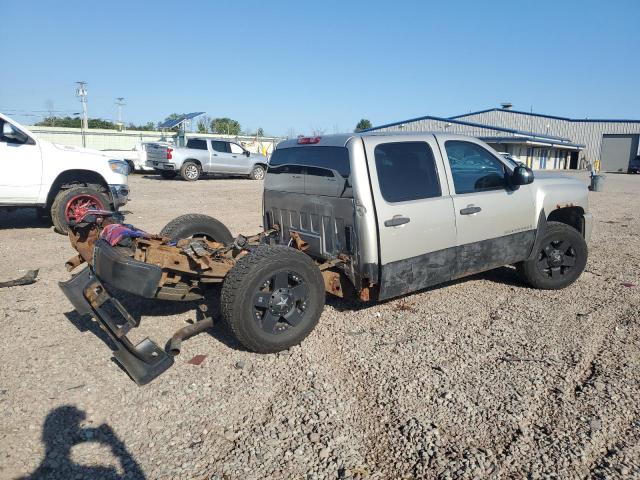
302 66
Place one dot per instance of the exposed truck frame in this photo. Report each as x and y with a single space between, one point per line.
156 267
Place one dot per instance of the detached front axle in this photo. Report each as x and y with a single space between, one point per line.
154 266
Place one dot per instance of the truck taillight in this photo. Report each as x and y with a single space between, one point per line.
169 153
308 140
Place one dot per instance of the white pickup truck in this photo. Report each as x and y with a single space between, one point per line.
136 158
57 179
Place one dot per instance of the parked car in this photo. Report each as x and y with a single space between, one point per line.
136 158
205 156
634 166
370 216
56 179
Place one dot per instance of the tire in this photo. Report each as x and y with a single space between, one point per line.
190 171
196 225
560 257
257 173
67 202
168 174
272 298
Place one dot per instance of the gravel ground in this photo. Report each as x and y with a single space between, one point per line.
482 377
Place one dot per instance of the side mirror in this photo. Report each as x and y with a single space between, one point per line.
247 153
522 176
10 133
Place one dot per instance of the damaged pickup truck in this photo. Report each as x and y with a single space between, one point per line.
370 216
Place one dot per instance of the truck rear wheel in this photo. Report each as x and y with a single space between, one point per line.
190 171
71 203
272 298
560 258
196 225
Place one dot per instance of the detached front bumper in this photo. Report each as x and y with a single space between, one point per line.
143 362
119 195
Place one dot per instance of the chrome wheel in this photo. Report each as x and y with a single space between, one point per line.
191 172
257 173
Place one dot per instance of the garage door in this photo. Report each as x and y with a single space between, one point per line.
616 152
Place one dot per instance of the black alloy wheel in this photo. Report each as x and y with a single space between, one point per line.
556 258
280 302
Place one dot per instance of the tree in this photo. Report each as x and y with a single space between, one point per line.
363 124
226 126
75 122
202 126
147 126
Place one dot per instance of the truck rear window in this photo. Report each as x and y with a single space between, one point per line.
317 161
197 144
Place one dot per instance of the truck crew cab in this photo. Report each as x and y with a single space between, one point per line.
369 215
205 156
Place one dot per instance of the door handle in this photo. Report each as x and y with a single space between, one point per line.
296 176
396 221
470 210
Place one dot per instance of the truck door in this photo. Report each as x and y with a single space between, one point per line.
220 157
21 164
414 211
495 224
239 163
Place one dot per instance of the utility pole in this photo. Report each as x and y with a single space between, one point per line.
81 93
120 103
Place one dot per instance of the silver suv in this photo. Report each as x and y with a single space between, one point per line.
205 156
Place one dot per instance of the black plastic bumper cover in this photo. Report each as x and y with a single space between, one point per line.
143 362
125 273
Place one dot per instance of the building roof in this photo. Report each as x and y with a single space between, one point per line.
534 141
567 119
474 124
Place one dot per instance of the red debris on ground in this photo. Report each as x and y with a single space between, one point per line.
197 360
628 285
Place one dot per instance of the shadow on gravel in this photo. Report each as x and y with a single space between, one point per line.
178 178
23 218
62 431
505 275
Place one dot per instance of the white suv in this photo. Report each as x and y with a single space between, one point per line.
56 179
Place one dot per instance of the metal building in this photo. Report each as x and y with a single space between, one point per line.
542 141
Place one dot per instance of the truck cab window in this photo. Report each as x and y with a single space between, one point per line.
473 168
197 144
235 148
406 171
219 146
